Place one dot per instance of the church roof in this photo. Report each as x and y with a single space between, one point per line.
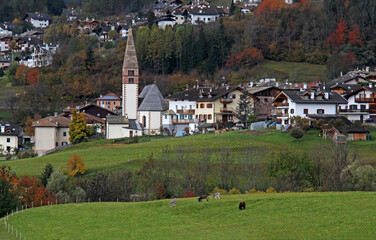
130 57
152 99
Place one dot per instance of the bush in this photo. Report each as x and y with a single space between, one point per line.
220 190
234 191
253 191
297 133
305 128
76 166
271 190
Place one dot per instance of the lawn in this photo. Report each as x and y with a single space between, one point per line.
103 154
346 215
295 72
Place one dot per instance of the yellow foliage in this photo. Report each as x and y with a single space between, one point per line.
76 166
311 189
271 190
253 191
234 191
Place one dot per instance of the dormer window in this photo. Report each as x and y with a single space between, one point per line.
306 97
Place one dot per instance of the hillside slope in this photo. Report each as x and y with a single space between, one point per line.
268 216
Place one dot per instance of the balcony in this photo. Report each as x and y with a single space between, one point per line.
226 110
184 121
281 105
226 100
186 111
280 115
364 100
354 110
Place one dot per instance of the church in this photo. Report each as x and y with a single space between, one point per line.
141 113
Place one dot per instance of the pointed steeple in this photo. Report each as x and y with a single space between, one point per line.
130 57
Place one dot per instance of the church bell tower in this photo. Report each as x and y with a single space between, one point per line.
130 80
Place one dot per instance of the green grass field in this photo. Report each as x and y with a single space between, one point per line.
268 216
294 71
103 154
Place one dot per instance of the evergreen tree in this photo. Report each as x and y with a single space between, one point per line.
244 108
90 59
232 8
77 129
48 170
8 201
150 18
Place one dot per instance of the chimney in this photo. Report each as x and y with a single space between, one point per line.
370 85
305 86
2 129
341 73
252 84
367 69
277 84
55 114
312 94
227 87
327 95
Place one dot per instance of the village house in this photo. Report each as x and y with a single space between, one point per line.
361 104
38 20
51 133
4 44
9 138
122 127
5 62
289 104
264 96
109 101
6 29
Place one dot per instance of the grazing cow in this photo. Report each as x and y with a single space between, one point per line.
173 202
216 195
242 205
203 197
217 132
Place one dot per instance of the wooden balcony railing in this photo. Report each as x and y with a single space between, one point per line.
186 111
184 121
354 110
227 110
364 100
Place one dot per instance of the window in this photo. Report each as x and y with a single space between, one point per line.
286 121
353 107
234 96
131 80
202 105
8 139
165 117
114 103
305 111
130 72
230 117
8 149
108 103
292 111
320 111
209 117
144 121
64 134
56 144
196 105
209 105
64 143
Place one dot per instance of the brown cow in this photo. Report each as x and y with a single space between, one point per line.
203 197
242 205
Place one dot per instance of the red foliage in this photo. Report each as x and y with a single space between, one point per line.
33 76
339 37
189 194
247 57
32 193
270 6
160 191
354 36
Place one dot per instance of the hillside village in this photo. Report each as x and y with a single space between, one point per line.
203 108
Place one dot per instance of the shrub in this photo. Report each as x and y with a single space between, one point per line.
305 128
297 133
48 170
222 191
57 182
189 194
271 190
253 191
7 200
311 189
76 166
160 191
234 191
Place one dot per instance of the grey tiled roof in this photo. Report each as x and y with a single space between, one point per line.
117 120
152 99
296 96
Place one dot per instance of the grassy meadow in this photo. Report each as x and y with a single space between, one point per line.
101 154
267 216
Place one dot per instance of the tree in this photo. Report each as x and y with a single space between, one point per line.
150 18
8 201
244 108
339 37
76 166
21 76
232 8
268 7
77 129
354 37
90 59
297 133
33 76
47 171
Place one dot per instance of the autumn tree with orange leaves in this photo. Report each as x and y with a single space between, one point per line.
354 37
270 7
76 166
339 37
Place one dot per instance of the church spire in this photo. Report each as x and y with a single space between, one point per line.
130 80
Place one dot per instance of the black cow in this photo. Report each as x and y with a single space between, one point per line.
242 205
203 197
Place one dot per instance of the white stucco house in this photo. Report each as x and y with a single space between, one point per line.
289 104
50 133
122 127
38 20
361 104
9 138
